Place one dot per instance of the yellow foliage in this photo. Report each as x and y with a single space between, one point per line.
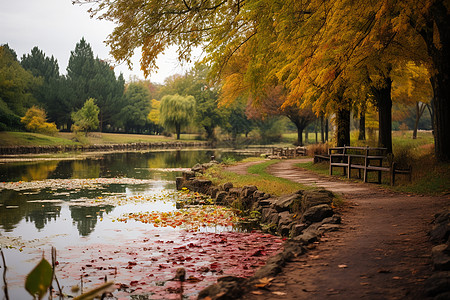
154 114
35 121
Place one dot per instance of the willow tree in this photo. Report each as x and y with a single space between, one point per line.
314 43
177 111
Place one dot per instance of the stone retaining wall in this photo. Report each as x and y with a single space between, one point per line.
302 217
438 285
12 150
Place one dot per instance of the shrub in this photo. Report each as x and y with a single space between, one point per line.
35 121
321 149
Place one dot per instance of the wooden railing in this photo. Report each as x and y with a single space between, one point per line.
289 152
364 159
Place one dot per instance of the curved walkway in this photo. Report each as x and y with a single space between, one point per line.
381 252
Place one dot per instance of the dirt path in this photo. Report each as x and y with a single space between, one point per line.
381 252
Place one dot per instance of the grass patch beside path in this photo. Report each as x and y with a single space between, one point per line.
258 176
428 177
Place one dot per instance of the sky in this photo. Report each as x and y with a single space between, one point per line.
55 26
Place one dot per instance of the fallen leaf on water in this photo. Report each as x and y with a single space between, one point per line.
343 266
396 277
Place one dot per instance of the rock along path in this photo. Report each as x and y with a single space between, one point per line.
381 252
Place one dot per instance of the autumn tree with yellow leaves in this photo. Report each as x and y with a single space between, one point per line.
314 49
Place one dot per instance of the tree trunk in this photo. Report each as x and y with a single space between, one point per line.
362 126
322 129
315 131
431 111
436 35
299 135
306 137
178 130
210 133
343 127
300 128
326 129
419 112
384 105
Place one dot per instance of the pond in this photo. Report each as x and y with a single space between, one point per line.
113 217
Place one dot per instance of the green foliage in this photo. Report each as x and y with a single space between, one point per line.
238 122
35 121
16 85
40 65
86 119
89 77
137 105
195 83
177 111
39 279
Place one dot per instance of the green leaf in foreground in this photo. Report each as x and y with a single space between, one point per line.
91 294
39 279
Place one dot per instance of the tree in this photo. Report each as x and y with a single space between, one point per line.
90 77
86 119
154 116
49 93
16 85
35 120
411 86
177 111
80 71
195 83
108 92
137 105
307 46
272 103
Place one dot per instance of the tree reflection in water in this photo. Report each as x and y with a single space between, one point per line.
86 217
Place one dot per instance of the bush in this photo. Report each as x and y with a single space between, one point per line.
35 121
320 149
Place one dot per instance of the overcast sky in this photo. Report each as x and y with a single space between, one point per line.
55 26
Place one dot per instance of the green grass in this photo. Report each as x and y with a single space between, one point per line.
32 139
258 176
429 177
11 138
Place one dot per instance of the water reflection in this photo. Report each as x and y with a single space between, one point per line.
85 217
40 217
41 206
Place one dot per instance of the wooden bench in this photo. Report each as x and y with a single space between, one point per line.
366 159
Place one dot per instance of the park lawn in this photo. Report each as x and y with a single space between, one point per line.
429 177
10 138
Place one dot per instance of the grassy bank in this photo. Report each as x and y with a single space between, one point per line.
429 177
258 176
9 138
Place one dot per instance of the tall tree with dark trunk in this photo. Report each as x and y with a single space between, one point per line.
383 100
296 43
